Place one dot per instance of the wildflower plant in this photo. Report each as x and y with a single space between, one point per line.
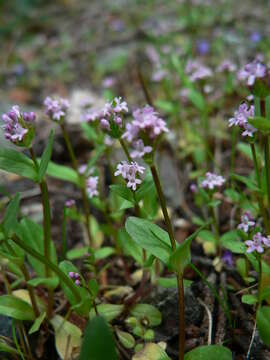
129 209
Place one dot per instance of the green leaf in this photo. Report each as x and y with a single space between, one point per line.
93 287
171 282
181 257
149 312
231 241
126 339
249 183
10 218
50 283
197 99
151 351
16 162
67 337
5 348
208 236
209 352
245 149
108 311
260 123
77 253
31 233
150 237
144 189
123 191
63 173
129 246
232 194
249 299
104 252
45 158
263 322
97 333
35 327
16 308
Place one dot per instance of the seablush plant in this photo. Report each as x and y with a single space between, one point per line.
28 251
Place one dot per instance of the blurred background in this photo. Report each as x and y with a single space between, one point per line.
57 46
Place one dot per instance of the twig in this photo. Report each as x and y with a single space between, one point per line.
252 340
210 319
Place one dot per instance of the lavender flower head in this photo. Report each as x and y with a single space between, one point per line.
203 47
147 121
227 258
75 276
56 109
91 186
226 66
257 243
140 150
241 117
70 203
252 71
129 172
247 221
212 181
197 71
18 125
255 37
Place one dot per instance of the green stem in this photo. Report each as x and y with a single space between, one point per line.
124 147
267 167
64 235
259 183
54 268
82 182
180 282
46 222
27 278
260 283
216 227
46 229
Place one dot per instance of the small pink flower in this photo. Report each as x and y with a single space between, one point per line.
129 172
212 180
256 244
91 186
56 109
70 203
252 71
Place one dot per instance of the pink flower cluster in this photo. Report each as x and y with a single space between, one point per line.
56 109
247 221
241 117
112 111
91 186
75 276
252 71
129 172
258 243
146 123
70 203
226 66
197 71
17 124
212 181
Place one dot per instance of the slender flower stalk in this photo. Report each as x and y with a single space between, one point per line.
27 278
82 179
267 166
259 183
180 282
54 268
46 229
